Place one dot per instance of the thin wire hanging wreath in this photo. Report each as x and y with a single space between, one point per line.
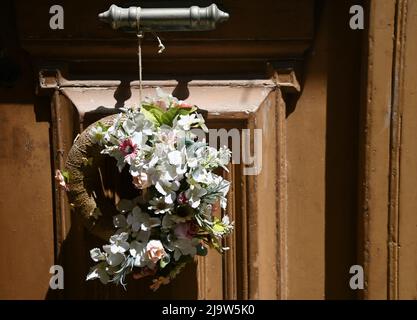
172 219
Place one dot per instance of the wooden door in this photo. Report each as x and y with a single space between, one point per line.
289 68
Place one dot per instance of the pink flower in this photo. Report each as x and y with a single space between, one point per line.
161 104
185 230
184 105
182 199
155 250
61 179
127 148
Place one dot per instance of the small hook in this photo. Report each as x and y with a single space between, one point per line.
161 46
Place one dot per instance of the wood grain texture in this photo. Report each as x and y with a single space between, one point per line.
26 219
305 149
375 153
26 206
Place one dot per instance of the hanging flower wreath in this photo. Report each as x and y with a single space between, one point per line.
160 231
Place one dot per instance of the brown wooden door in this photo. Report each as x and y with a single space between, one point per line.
292 69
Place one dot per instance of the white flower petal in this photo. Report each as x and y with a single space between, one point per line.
175 158
115 259
97 255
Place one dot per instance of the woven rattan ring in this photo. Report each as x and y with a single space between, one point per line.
86 194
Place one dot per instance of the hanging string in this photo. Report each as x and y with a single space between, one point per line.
139 34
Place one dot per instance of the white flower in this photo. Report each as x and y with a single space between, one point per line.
139 220
226 220
176 158
164 99
224 155
143 124
118 243
192 162
183 247
223 187
194 195
135 219
203 176
201 122
168 189
186 121
97 134
114 152
130 123
170 220
138 251
97 255
129 126
113 259
140 139
167 136
160 206
168 173
155 250
99 272
61 179
208 156
224 227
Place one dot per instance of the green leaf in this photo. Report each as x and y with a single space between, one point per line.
169 116
159 117
215 244
185 111
150 116
164 261
103 126
218 226
152 113
66 175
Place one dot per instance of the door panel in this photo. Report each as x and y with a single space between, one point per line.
237 274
